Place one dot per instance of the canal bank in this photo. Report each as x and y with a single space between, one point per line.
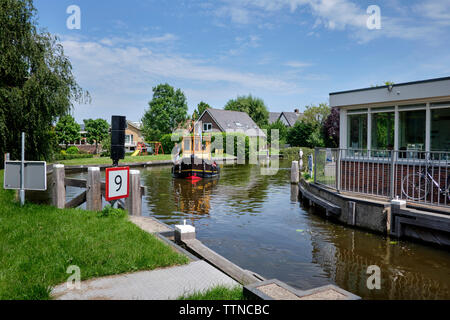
251 219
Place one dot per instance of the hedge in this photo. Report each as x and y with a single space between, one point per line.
292 154
59 157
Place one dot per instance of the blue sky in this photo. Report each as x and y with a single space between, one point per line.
290 53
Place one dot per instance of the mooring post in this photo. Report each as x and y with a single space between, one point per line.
134 201
295 173
93 190
59 188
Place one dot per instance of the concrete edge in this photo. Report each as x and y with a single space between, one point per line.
177 247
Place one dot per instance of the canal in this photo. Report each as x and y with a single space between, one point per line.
252 220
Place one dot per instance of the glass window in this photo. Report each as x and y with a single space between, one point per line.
127 139
207 127
383 131
357 131
412 130
440 129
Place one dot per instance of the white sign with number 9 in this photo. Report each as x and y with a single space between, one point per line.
117 183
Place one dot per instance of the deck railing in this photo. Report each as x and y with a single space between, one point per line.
415 176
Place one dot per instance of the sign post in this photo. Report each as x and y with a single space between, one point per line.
22 172
117 183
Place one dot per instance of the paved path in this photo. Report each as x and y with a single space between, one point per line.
161 284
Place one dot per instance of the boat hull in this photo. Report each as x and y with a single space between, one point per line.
195 168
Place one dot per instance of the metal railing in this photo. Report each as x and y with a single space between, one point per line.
411 175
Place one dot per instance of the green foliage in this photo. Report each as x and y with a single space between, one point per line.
65 156
254 107
72 150
67 130
109 211
168 109
36 82
39 243
106 146
217 293
282 132
97 130
293 154
167 143
201 107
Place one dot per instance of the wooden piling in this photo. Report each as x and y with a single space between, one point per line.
134 201
295 173
93 190
59 188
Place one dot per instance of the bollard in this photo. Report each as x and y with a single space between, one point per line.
294 192
93 190
134 201
59 188
300 161
295 174
184 232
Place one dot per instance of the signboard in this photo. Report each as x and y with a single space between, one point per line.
35 175
117 183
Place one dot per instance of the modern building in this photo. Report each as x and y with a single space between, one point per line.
395 140
413 116
217 120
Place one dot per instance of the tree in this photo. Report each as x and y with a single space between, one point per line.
254 107
67 130
201 107
316 114
97 130
300 135
282 132
36 82
331 129
168 109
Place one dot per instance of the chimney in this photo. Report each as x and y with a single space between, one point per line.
297 111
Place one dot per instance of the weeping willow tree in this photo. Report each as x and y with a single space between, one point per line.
36 82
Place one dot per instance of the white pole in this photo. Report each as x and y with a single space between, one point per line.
22 172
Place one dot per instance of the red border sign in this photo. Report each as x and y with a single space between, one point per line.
108 170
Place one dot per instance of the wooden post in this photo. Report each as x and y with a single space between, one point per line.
295 174
93 190
59 188
134 201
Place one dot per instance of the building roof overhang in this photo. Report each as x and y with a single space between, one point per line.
436 89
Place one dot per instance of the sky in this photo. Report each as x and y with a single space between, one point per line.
290 53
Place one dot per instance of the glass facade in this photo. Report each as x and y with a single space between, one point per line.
440 129
383 131
412 130
357 131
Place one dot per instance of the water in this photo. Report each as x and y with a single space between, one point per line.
252 220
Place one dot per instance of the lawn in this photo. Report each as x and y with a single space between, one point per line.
128 159
217 293
38 243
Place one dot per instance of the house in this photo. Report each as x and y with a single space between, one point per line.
217 120
287 118
274 116
133 135
395 140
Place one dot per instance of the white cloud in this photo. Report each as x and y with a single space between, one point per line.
297 64
348 15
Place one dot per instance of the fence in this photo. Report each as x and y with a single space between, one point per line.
416 176
94 191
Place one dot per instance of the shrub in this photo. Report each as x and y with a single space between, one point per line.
72 150
292 154
109 211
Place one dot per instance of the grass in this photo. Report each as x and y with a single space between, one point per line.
38 243
128 159
217 293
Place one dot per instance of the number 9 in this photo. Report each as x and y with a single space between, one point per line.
118 181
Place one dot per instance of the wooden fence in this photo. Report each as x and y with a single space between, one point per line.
94 191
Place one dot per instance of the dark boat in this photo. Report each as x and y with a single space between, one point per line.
196 161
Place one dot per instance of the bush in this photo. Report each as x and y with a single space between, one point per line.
292 154
64 156
167 143
72 150
109 211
